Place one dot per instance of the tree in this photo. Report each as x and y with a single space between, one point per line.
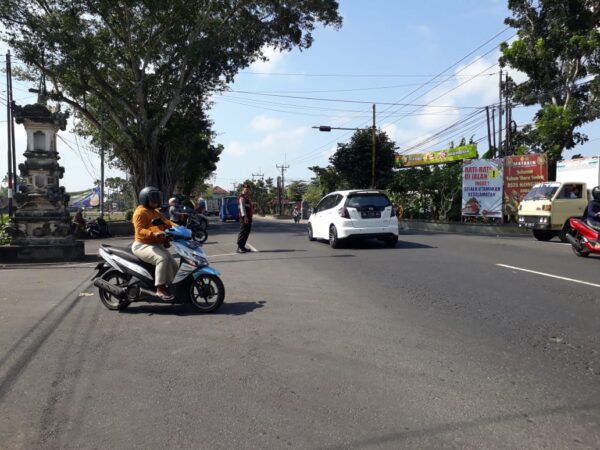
558 47
353 161
128 67
296 190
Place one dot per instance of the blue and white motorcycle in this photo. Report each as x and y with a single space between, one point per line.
122 278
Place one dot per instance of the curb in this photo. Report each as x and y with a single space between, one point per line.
463 228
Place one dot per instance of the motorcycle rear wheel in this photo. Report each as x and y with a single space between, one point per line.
109 300
206 293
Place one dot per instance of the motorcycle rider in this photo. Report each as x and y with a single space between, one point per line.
592 213
175 212
149 244
79 220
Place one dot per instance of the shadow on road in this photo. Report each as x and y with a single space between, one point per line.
244 259
228 309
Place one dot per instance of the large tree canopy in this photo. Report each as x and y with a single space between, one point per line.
558 47
141 62
353 160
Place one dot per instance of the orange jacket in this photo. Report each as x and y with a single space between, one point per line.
142 223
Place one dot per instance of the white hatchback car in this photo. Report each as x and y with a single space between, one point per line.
354 214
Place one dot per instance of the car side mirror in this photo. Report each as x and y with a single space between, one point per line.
314 210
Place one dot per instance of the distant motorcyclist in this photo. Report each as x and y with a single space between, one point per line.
176 213
79 220
296 214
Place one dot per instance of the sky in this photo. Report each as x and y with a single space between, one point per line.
425 65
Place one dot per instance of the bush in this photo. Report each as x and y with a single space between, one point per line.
4 237
129 215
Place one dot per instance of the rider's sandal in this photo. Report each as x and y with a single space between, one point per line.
165 297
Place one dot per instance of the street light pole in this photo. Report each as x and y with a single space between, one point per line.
373 130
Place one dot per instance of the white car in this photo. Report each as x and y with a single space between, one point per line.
354 214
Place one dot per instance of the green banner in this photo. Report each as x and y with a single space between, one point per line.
437 157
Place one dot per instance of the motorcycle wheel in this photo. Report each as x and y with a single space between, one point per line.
206 293
200 235
110 301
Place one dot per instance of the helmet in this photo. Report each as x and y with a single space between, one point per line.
149 195
173 201
596 193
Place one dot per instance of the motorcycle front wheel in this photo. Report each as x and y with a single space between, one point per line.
109 300
581 250
200 235
206 293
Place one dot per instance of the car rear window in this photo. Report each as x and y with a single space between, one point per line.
361 200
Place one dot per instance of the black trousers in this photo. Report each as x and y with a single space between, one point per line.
244 233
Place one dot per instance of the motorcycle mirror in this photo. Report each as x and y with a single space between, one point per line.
157 221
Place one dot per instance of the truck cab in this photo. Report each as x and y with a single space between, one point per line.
547 207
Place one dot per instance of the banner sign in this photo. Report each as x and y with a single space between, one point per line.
520 174
437 157
482 187
87 199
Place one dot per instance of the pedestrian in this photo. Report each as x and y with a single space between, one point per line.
246 212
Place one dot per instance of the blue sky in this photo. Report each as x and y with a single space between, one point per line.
387 52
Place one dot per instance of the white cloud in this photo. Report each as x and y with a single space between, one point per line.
263 122
274 59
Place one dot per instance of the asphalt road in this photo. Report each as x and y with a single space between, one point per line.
446 341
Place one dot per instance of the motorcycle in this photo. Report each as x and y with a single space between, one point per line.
122 278
92 229
582 238
197 223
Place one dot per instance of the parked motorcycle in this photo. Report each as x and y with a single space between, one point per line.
122 278
92 229
580 235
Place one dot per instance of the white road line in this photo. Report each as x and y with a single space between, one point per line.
222 254
254 249
549 275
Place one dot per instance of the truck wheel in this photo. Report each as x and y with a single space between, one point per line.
543 235
562 235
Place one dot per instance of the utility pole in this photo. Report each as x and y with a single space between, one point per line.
102 147
500 116
508 118
258 175
487 113
9 125
283 168
494 131
374 135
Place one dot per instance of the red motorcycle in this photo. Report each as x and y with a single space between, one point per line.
582 238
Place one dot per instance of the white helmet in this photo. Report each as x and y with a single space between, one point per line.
172 201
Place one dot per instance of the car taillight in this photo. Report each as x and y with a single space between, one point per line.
343 212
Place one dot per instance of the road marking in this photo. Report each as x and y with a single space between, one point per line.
549 275
254 249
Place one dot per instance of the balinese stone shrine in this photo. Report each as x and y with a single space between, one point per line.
40 227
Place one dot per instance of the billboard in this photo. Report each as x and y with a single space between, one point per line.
437 157
482 187
520 174
87 199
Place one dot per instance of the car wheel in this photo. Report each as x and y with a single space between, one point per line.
334 242
310 233
391 241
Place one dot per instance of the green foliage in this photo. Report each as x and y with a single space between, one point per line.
141 71
353 161
129 215
4 237
558 47
313 194
296 190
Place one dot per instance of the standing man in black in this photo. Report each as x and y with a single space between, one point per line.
246 211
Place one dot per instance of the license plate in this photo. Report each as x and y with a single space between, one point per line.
370 214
